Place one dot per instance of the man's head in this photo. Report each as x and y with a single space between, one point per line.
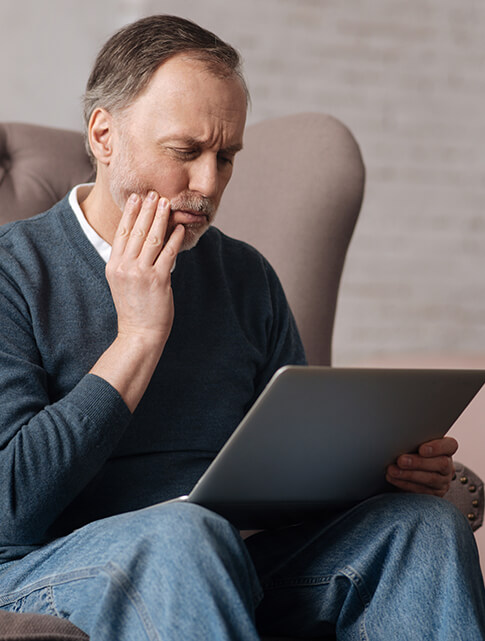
165 109
128 60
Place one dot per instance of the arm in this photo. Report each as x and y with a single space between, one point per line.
428 472
49 451
138 274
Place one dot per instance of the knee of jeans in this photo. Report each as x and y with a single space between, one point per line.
179 527
429 514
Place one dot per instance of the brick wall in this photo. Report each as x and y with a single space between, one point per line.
407 76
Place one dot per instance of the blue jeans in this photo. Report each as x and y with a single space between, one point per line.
398 566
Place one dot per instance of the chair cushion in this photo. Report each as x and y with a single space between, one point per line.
16 626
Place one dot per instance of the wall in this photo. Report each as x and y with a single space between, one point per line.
406 76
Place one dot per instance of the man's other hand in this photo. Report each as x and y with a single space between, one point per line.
430 471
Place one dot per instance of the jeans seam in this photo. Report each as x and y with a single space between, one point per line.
123 581
296 582
308 581
51 600
359 584
112 570
48 581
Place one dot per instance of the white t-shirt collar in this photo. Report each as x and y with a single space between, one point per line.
80 192
100 245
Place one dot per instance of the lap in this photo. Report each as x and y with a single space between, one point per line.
307 571
105 550
288 562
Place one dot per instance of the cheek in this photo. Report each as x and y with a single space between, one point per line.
224 178
165 177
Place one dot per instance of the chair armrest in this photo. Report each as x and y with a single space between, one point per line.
37 627
466 493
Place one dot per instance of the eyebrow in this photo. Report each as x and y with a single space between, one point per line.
194 142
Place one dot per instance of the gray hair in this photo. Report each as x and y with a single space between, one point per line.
128 60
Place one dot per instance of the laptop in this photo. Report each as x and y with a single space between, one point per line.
320 438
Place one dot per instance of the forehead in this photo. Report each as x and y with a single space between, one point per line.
184 94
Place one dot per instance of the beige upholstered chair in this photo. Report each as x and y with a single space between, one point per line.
295 195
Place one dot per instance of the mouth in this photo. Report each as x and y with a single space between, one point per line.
185 217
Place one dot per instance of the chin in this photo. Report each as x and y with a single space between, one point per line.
193 233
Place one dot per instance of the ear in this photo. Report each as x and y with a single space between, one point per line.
100 131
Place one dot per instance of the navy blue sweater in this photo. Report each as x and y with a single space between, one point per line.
70 450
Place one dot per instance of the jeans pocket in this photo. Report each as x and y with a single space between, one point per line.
40 600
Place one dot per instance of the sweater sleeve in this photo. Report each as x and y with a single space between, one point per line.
49 450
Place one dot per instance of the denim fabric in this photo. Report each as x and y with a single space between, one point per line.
172 571
395 567
398 566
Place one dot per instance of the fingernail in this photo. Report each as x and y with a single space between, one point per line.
134 198
163 203
152 195
427 450
407 461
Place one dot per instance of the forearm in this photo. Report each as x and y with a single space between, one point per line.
128 365
138 274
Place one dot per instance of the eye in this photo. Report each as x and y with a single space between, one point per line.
225 159
185 154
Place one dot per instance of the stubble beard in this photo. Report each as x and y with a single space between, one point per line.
124 182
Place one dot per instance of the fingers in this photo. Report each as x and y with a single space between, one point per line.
171 249
419 488
446 446
128 218
148 236
142 231
153 213
429 471
423 482
442 465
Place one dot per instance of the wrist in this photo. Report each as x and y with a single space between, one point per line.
128 364
141 339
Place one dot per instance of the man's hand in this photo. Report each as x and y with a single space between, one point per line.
138 274
428 472
138 271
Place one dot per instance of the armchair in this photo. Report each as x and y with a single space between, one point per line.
296 195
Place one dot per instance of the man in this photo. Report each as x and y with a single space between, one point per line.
118 391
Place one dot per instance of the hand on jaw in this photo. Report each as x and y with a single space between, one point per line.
138 274
429 471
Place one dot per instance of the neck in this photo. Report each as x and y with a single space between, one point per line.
101 212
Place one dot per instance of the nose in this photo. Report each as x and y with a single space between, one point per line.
204 175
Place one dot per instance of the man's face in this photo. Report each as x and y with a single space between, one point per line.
179 138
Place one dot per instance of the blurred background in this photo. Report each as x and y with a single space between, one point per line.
406 76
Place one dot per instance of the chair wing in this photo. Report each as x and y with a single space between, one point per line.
295 195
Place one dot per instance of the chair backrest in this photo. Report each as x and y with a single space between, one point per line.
295 195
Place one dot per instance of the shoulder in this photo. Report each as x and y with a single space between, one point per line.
27 246
36 228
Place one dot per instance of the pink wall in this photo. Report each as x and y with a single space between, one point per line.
469 429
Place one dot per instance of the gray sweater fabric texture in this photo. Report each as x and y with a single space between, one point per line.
70 450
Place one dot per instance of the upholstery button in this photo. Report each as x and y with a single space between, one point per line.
464 480
472 488
471 517
475 503
454 477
